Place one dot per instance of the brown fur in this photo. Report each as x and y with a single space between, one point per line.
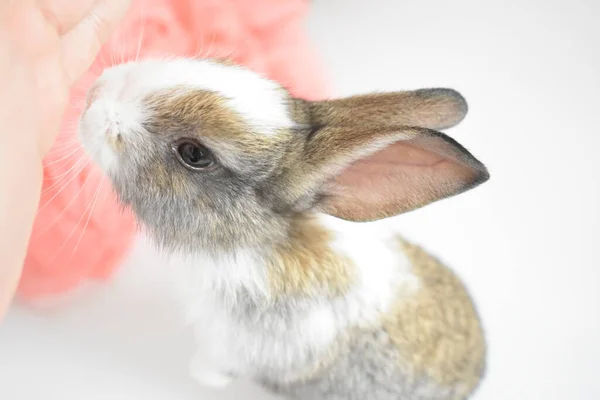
92 95
432 109
198 111
166 179
437 331
227 62
116 142
306 265
300 111
206 115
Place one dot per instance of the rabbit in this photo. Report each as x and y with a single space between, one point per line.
278 205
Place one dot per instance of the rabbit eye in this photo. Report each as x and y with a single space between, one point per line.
193 155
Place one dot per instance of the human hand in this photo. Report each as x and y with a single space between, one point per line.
45 46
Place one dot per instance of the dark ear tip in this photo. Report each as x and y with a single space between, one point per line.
454 104
479 172
460 102
482 174
457 99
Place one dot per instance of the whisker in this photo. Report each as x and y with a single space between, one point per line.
62 146
141 36
112 56
95 199
66 173
212 42
100 62
78 102
204 54
61 189
200 43
69 152
231 55
61 213
69 134
106 60
198 53
74 228
72 126
121 50
103 62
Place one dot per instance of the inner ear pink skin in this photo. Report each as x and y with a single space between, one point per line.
402 177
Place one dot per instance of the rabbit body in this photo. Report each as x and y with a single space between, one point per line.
277 205
389 322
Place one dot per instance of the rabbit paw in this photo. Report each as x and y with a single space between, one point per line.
212 379
208 375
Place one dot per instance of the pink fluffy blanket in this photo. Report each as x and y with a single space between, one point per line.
81 232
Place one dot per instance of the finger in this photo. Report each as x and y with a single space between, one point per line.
18 204
64 14
82 43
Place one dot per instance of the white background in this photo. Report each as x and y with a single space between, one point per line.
526 242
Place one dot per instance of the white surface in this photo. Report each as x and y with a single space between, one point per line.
524 242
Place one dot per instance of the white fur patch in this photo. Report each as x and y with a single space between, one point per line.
227 344
210 288
100 125
258 100
201 275
384 272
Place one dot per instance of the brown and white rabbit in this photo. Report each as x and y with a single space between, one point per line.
268 198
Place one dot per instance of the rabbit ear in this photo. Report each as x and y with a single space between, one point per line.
428 108
363 173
